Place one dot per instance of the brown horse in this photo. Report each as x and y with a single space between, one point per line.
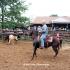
55 44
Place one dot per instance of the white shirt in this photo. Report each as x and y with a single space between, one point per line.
39 29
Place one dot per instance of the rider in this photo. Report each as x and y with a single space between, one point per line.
43 36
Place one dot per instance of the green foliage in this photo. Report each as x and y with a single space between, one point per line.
10 13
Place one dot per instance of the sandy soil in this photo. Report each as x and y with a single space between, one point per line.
18 57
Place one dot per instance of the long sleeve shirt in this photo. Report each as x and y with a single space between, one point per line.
45 29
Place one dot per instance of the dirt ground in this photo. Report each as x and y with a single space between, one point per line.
18 57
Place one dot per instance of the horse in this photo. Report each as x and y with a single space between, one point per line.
33 34
55 44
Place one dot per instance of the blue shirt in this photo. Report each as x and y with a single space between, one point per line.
45 29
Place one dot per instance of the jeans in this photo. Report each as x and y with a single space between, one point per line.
42 39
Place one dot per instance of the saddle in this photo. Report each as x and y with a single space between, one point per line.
49 39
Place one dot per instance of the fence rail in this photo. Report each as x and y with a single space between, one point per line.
64 34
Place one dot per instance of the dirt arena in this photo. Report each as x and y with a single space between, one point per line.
18 57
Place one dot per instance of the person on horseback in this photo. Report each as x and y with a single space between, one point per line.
43 36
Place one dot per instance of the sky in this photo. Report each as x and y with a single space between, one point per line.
48 7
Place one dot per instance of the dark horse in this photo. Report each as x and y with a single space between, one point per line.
55 44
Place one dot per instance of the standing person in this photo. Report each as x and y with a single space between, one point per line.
39 29
44 34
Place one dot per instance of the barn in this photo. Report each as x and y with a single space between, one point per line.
61 24
53 22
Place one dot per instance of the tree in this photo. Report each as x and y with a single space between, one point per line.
11 12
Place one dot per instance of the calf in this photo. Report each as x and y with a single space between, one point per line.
12 39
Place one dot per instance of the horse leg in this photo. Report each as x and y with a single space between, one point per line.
55 49
58 47
34 53
9 41
60 43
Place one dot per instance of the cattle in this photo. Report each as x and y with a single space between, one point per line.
12 39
